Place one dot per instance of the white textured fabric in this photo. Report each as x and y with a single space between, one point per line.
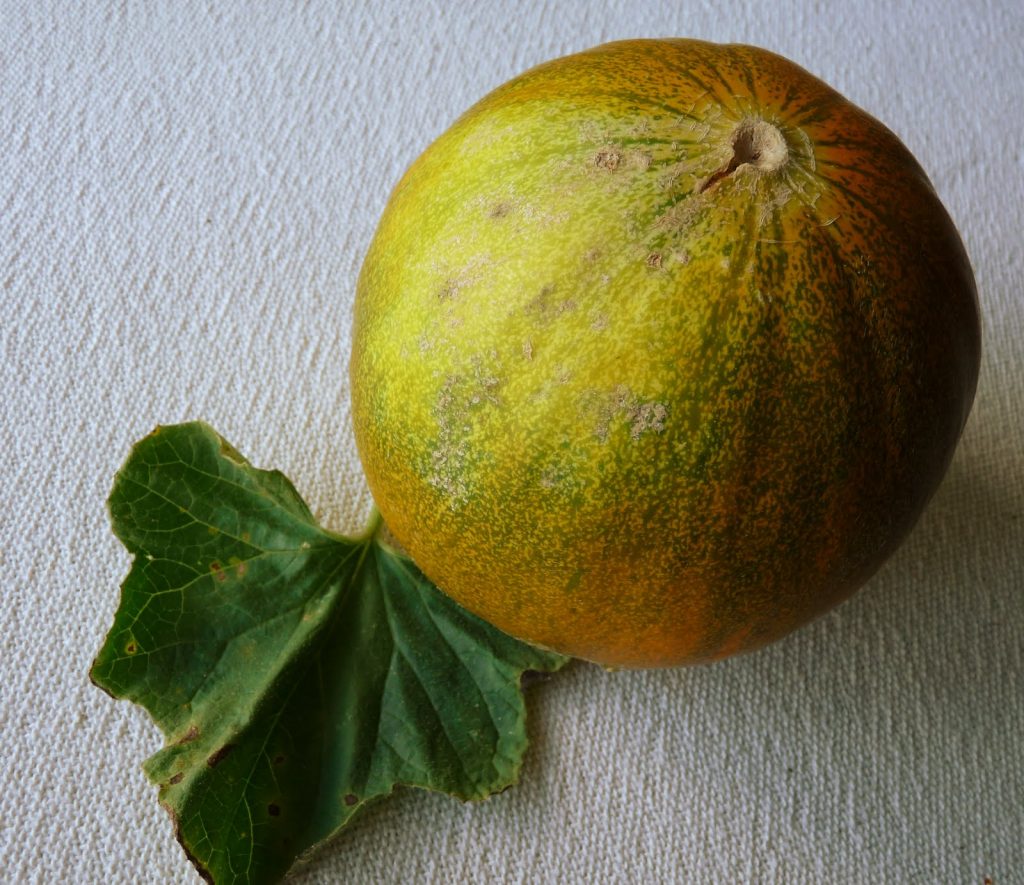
186 192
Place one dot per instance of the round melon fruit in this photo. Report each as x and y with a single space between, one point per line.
659 352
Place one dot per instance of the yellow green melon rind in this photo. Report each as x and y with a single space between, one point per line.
635 409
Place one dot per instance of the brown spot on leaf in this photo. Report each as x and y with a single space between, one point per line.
177 779
188 736
220 755
500 210
218 571
654 260
351 799
274 810
280 759
131 648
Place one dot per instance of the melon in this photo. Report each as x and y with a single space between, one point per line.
660 351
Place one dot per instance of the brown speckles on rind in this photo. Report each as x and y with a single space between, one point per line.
549 478
450 449
641 160
459 398
608 158
454 281
621 404
680 216
545 307
644 417
448 289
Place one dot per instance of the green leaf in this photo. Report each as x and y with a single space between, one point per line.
296 674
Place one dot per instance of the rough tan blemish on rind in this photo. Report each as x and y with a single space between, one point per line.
486 385
455 280
549 478
458 397
621 404
645 417
609 158
545 309
448 289
680 216
640 159
592 132
450 452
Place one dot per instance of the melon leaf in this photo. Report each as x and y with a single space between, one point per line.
296 674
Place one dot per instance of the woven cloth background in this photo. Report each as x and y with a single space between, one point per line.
186 192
